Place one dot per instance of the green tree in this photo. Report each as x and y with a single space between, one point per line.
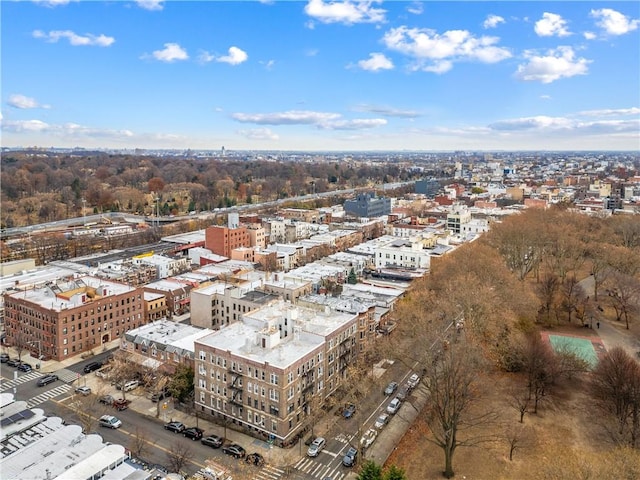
394 473
370 471
181 385
352 279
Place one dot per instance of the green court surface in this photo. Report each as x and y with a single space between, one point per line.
582 347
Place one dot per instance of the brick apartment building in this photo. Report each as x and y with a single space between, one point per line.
222 240
65 318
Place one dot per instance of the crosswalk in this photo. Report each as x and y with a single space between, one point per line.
22 378
67 375
43 397
269 472
312 468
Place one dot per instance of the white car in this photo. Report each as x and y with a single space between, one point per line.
83 390
368 438
315 447
382 420
109 421
393 406
413 380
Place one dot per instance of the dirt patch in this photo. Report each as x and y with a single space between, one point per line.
565 418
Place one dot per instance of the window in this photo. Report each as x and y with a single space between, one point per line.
203 355
274 379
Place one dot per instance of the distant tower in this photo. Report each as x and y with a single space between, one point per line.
223 150
233 220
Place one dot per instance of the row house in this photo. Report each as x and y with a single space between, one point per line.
65 318
266 374
176 294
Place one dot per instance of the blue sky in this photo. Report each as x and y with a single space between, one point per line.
319 75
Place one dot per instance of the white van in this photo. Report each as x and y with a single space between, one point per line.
130 385
393 406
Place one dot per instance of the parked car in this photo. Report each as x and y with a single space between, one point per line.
413 380
90 367
393 406
83 390
194 433
213 441
128 386
316 446
4 358
13 362
255 459
47 379
234 450
349 459
106 399
121 404
349 410
403 393
368 438
176 427
156 397
392 387
109 421
382 420
25 367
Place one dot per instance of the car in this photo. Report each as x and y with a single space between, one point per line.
349 459
175 427
47 379
83 390
121 404
128 386
392 387
403 393
213 441
255 459
109 421
381 421
349 410
368 438
194 433
394 406
25 367
90 367
4 358
106 399
234 450
156 397
13 362
413 380
316 446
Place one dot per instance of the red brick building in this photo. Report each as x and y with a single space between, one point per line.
222 240
65 318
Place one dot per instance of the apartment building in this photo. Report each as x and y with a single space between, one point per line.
175 292
368 205
263 373
155 306
67 317
222 240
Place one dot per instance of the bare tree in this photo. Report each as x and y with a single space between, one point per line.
517 437
624 295
520 401
178 456
452 390
547 290
139 442
615 386
86 410
538 365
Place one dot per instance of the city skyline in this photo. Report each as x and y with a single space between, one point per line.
317 75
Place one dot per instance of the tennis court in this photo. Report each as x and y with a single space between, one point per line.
582 347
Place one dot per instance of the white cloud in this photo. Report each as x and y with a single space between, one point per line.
259 134
526 123
566 126
150 4
206 57
375 62
75 39
53 3
19 126
492 21
434 52
551 24
291 117
555 64
387 111
268 64
609 112
312 52
613 22
346 12
589 35
356 124
170 53
20 101
417 8
545 97
235 57
67 129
